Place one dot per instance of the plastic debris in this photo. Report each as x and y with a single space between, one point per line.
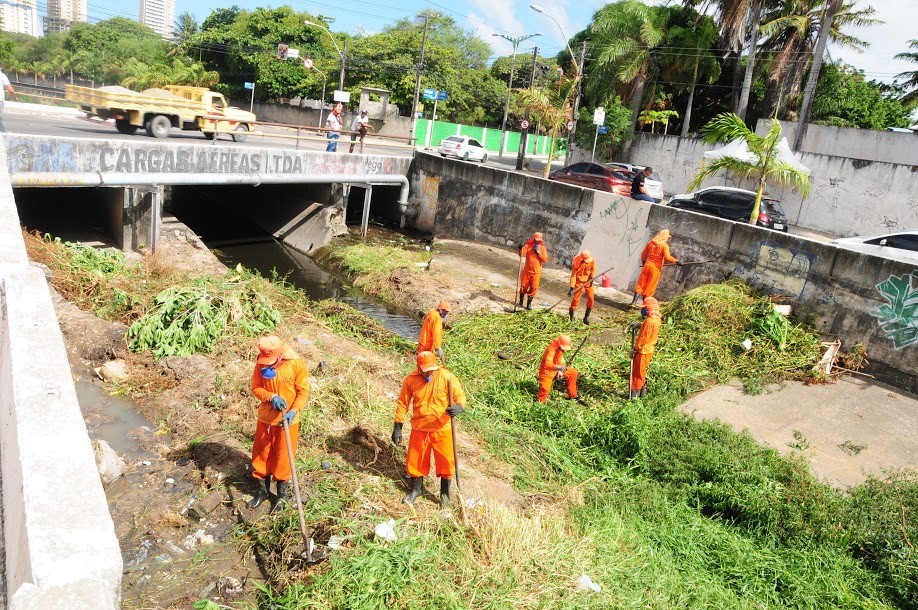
199 537
170 481
473 502
326 465
747 344
586 584
386 530
336 542
146 462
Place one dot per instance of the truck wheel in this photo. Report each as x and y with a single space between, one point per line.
240 133
210 135
125 127
159 126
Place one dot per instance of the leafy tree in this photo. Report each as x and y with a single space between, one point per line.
618 122
767 163
552 107
186 26
845 98
911 78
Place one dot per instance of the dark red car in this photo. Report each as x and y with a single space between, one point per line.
597 176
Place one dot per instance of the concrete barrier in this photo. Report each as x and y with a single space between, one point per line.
60 545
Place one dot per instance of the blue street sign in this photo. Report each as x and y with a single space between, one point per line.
442 95
249 85
603 129
430 94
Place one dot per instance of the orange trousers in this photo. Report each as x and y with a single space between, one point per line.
648 280
269 453
547 380
591 297
639 365
422 444
529 282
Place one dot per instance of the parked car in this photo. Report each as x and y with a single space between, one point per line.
464 147
901 246
596 176
653 183
733 204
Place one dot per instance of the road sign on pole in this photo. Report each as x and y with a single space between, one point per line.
603 129
307 63
442 95
248 85
570 125
524 124
599 116
430 94
251 86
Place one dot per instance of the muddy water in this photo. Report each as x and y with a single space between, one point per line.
114 419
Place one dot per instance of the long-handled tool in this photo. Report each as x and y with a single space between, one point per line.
683 264
519 282
310 544
579 287
631 360
452 425
577 351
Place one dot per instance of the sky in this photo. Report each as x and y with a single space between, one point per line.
515 18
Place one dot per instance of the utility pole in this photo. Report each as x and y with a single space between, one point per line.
417 85
570 136
524 133
828 13
343 59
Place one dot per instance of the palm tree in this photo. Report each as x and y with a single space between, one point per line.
551 107
693 60
37 68
186 26
911 78
767 163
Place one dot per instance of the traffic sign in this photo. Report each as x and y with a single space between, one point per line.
570 125
524 124
599 116
342 96
442 95
603 129
293 53
430 94
248 85
308 63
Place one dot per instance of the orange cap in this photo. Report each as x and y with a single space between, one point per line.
537 236
564 342
444 306
587 257
427 361
651 303
270 348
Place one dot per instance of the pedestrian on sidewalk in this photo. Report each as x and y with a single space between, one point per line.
534 253
583 270
426 393
552 367
7 88
333 128
359 125
638 190
431 337
654 255
281 382
644 346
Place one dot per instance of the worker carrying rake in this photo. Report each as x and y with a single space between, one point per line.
655 253
281 382
552 367
583 270
642 348
434 396
431 337
533 253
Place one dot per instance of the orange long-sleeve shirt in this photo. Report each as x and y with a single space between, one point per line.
552 357
431 336
291 384
646 340
428 401
582 271
655 253
533 260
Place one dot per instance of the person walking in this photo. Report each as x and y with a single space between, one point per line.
654 255
431 337
644 346
7 88
434 396
638 188
552 367
333 129
360 125
534 253
281 382
583 269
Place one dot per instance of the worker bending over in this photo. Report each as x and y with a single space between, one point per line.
281 382
431 337
582 271
655 253
535 253
644 346
426 392
552 367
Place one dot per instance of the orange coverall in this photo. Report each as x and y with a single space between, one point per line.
644 347
431 336
430 423
551 358
269 453
654 254
582 272
532 268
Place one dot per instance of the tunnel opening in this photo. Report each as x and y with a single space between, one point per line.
88 215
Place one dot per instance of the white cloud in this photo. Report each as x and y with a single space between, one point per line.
498 18
886 40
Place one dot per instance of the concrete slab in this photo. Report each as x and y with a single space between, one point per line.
847 430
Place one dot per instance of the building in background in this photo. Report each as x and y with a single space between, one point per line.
159 15
62 14
20 16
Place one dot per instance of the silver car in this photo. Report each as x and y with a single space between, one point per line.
901 246
653 184
464 147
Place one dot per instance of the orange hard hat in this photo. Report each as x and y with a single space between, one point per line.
536 236
270 348
427 361
587 256
564 342
651 303
444 306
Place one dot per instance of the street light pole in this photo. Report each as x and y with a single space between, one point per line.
341 54
417 85
503 125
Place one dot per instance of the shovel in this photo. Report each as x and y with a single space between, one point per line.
309 554
519 279
579 287
631 362
452 425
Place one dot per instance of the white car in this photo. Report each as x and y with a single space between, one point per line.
653 184
897 246
464 147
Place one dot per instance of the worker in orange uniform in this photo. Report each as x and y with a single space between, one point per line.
655 253
426 392
644 346
281 382
431 337
535 253
552 367
582 271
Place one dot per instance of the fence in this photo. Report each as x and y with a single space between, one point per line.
489 138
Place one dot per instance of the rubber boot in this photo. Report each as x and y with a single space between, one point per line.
417 489
261 493
570 314
641 393
283 491
444 493
631 393
528 302
521 298
636 296
586 316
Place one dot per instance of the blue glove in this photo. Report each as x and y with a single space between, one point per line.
288 416
278 403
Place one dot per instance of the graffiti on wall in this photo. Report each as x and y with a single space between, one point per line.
899 317
633 236
780 269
